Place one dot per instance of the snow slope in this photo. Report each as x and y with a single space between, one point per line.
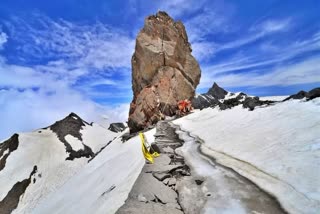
103 185
277 147
43 149
274 98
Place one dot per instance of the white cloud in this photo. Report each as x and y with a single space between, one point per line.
94 45
26 110
254 60
177 8
3 39
275 25
34 96
207 22
303 72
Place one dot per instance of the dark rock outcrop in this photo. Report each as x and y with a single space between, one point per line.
314 93
216 96
117 127
163 71
209 99
9 145
71 125
11 200
252 102
217 92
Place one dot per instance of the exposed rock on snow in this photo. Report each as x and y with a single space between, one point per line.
117 127
163 71
252 102
6 148
217 96
312 94
11 201
103 185
44 150
211 98
71 125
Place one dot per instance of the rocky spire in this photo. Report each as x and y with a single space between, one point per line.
163 70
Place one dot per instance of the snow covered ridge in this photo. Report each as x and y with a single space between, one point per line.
217 96
276 147
35 164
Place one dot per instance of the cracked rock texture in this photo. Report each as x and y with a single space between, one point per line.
163 71
155 189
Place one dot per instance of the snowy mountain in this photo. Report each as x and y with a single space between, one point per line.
33 165
217 96
276 147
225 161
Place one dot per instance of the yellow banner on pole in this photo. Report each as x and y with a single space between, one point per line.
147 155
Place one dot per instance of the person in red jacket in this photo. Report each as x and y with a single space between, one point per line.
184 107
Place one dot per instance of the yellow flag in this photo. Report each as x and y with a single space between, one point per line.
147 155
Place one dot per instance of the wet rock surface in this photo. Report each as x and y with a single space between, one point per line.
163 71
216 188
71 125
155 188
172 185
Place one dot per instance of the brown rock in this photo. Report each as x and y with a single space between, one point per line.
163 71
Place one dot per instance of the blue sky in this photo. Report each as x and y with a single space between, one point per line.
74 55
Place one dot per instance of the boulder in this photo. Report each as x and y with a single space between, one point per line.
163 71
117 127
252 102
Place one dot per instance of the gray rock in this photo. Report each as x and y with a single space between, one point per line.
161 176
141 198
168 150
152 189
172 181
148 208
252 102
165 181
117 127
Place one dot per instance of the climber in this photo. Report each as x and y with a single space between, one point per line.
184 107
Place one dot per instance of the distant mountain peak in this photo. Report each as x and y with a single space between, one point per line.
217 92
72 125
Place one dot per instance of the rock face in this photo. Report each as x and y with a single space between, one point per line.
312 94
163 71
